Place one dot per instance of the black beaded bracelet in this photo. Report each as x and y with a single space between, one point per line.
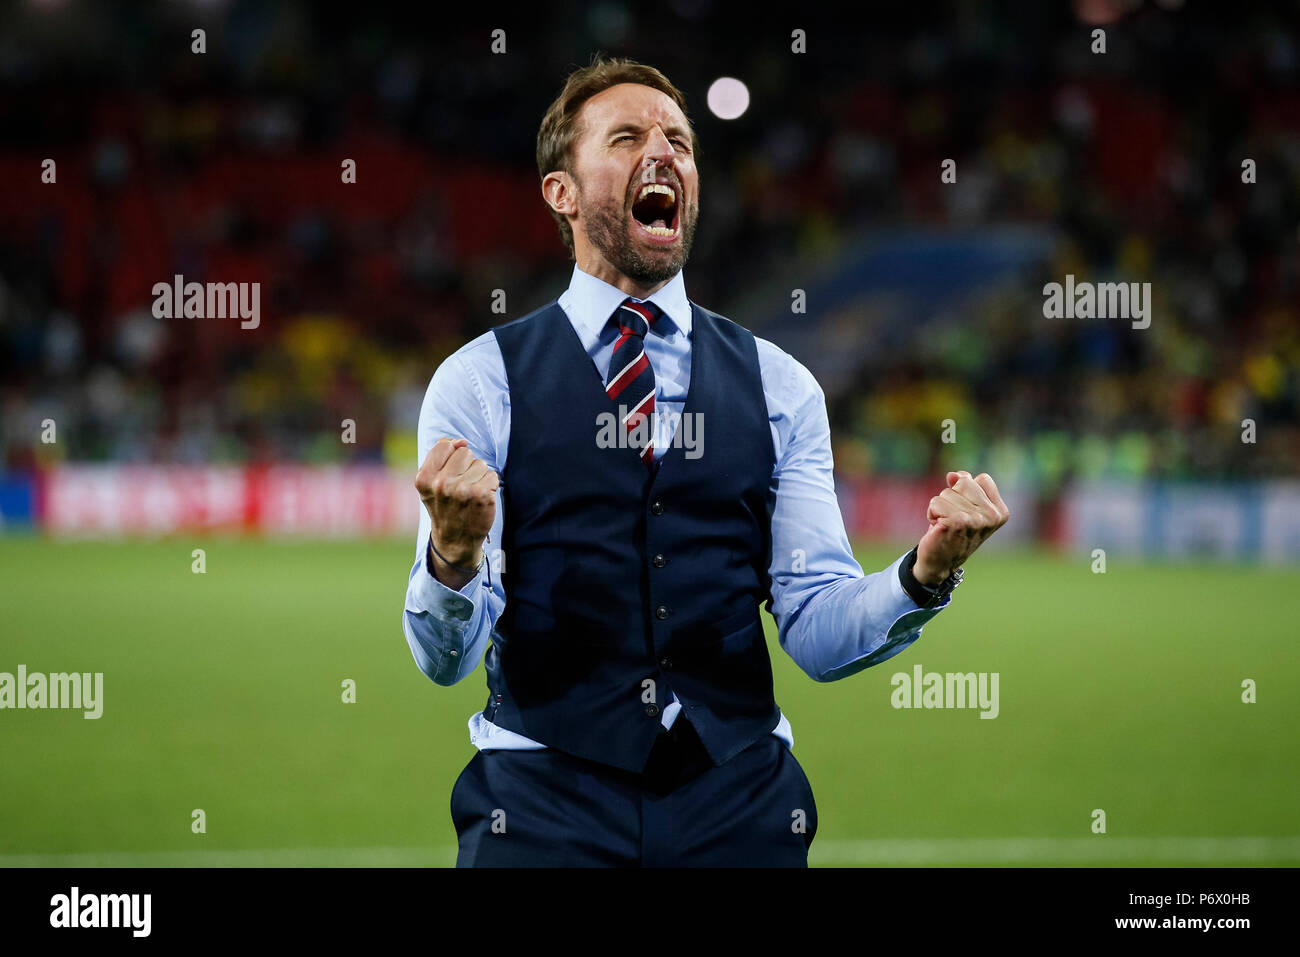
460 568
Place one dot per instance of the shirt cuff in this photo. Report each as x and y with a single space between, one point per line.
903 602
911 617
448 604
908 620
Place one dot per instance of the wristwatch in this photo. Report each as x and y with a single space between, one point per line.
926 596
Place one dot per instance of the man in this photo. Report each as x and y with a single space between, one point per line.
612 485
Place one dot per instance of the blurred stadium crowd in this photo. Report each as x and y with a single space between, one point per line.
225 167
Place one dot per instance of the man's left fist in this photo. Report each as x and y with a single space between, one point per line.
961 517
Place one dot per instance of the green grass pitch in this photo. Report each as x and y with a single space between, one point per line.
222 691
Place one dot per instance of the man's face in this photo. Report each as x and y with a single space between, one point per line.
637 187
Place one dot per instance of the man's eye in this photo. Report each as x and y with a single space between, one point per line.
625 136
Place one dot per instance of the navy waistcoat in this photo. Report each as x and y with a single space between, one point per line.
623 583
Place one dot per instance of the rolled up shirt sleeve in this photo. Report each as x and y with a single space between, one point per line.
832 619
448 629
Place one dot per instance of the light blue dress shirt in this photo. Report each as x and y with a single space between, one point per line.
831 618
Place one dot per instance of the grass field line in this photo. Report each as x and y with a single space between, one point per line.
1100 849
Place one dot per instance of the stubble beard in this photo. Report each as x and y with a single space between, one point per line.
610 231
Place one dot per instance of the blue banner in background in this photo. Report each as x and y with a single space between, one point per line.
17 500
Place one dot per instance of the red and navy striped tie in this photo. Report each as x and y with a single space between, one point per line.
630 381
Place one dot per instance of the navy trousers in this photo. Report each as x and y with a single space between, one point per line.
546 808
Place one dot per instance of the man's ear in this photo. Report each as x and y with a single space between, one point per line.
560 192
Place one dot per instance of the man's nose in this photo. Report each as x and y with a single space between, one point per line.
659 149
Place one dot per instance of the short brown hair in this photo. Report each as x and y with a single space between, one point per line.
559 127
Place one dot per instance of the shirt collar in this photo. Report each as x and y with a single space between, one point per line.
589 302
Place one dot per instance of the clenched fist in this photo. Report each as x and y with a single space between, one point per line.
459 492
961 517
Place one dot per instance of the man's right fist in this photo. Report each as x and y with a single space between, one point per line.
459 492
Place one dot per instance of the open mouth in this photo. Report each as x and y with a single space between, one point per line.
655 210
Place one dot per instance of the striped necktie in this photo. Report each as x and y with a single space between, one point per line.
630 381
